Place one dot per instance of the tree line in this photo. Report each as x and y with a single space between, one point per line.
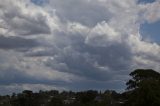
143 89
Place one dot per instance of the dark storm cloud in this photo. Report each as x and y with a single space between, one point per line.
17 43
93 62
11 75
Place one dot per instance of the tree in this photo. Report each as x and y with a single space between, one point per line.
140 75
87 96
145 88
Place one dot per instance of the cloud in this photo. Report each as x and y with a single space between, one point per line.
103 35
150 11
17 43
16 69
86 12
23 18
76 45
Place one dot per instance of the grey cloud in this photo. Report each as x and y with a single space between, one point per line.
19 78
97 44
85 12
21 23
99 63
17 43
11 75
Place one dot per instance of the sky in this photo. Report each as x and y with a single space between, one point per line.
76 44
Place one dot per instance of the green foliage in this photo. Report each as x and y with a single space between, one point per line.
145 88
87 96
140 75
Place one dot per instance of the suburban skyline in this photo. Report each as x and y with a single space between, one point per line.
76 44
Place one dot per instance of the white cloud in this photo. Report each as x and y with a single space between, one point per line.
103 35
78 42
24 18
152 12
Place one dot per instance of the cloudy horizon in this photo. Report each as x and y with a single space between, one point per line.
76 44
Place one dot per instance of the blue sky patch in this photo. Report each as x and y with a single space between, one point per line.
151 30
39 2
146 1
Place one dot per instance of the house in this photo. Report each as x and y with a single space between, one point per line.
69 100
98 99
